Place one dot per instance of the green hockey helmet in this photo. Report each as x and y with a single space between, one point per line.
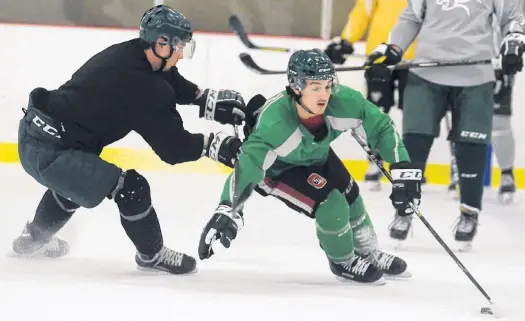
170 26
311 64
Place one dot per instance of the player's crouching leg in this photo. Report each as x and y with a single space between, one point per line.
365 237
336 239
139 219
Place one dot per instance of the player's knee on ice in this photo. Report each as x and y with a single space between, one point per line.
332 219
132 195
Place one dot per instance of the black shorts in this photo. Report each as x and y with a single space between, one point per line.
303 188
383 93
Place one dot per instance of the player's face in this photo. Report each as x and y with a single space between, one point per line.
316 94
180 49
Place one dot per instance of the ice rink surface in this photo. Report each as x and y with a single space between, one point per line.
274 270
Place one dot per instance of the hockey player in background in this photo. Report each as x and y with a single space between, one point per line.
288 156
503 142
377 17
450 31
132 85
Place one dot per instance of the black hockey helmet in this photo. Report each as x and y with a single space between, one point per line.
311 64
169 25
305 65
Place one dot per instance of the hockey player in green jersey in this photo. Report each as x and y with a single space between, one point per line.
288 156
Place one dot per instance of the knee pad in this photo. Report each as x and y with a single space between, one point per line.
351 192
334 212
132 195
65 204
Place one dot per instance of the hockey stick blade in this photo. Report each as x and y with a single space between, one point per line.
248 61
236 26
252 65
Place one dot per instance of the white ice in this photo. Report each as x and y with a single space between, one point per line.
274 270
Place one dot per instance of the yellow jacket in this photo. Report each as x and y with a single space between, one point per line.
379 17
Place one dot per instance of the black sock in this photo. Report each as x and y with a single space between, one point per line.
51 215
471 159
145 233
508 171
418 147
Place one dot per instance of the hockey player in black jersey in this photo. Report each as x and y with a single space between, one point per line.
130 86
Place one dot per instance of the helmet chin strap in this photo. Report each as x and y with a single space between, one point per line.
164 60
298 100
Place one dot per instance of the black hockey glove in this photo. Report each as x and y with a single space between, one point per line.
223 148
406 186
223 106
378 73
253 110
384 55
511 52
336 51
223 226
503 83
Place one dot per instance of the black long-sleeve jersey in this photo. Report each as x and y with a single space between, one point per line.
116 92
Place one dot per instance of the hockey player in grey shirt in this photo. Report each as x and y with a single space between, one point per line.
452 30
503 142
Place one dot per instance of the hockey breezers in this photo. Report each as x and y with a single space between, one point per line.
364 145
248 61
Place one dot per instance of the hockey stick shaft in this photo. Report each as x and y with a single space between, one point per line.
372 157
237 27
248 61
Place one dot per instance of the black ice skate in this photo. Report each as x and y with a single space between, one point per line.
166 261
358 269
466 227
507 188
391 265
400 227
32 243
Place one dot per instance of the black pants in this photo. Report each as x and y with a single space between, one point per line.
84 178
303 188
382 93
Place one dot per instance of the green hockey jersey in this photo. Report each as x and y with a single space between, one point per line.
279 140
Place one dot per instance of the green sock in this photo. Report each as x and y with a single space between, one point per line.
332 220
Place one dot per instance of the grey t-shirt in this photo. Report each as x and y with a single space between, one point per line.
452 30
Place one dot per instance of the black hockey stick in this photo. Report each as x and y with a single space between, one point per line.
236 26
248 61
364 145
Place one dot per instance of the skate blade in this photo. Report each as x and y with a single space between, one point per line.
464 247
453 194
373 186
154 271
397 245
379 282
506 198
404 275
